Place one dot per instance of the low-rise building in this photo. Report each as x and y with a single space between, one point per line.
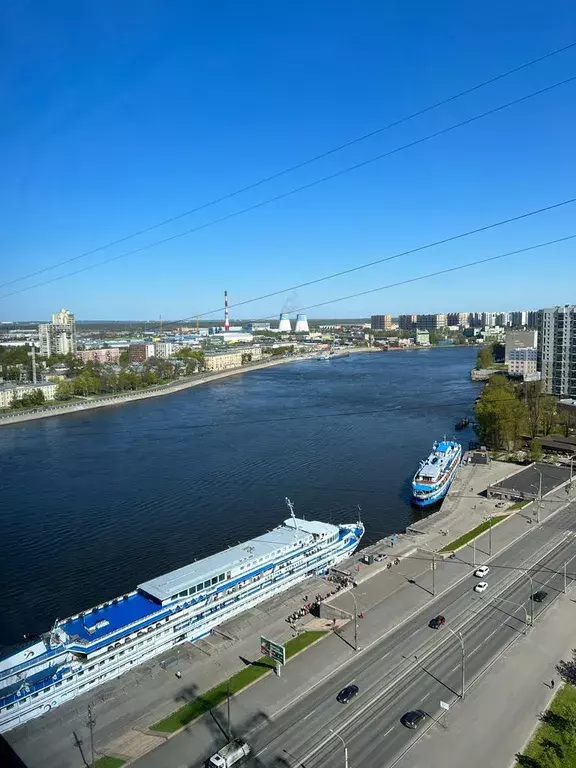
230 358
422 338
516 339
523 361
10 391
104 355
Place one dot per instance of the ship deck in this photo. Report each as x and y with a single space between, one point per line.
128 610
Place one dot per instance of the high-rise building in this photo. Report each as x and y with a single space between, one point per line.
381 322
519 318
489 319
475 320
460 319
407 322
431 322
503 319
59 336
532 319
557 350
138 353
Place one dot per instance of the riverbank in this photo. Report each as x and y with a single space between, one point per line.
107 401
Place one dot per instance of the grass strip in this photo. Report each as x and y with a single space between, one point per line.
554 744
474 533
215 696
517 505
109 762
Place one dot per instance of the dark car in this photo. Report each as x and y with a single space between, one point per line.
347 693
437 622
413 719
539 596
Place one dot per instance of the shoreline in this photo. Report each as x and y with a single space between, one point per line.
129 397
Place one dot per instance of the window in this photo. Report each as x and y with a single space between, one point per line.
192 590
206 584
92 667
34 696
221 577
47 689
58 684
229 575
215 580
81 672
174 597
184 593
10 706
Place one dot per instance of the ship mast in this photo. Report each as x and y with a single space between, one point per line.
291 508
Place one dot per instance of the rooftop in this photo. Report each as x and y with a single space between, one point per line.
276 541
103 621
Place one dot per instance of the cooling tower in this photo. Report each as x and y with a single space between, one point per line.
301 324
285 324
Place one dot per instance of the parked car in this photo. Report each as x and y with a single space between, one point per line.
413 718
348 693
539 596
482 571
437 622
482 586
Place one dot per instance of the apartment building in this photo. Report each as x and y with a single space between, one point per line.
557 350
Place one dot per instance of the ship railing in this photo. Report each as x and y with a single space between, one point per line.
124 630
31 662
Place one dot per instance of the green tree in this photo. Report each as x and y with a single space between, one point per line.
533 391
246 358
124 359
484 358
547 413
536 450
64 390
501 416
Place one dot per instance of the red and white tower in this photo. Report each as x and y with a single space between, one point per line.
226 315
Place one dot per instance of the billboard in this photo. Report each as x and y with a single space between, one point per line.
273 650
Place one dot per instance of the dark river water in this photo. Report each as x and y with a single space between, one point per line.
93 504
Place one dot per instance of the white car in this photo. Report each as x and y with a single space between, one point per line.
482 571
482 586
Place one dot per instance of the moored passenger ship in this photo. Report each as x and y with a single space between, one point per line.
99 644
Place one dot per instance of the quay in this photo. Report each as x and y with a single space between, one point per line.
383 598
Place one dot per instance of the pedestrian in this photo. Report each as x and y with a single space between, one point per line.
551 683
178 674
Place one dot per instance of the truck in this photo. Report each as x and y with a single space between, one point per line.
232 754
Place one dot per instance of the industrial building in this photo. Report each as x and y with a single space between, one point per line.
301 324
285 326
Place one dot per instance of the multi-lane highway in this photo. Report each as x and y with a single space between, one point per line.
413 667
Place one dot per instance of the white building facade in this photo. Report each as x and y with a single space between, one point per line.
59 336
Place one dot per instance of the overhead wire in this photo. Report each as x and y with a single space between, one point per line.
297 166
295 190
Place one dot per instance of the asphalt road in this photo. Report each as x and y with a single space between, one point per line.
391 680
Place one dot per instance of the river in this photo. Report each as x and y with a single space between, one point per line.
92 504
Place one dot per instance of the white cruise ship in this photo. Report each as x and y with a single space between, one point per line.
99 644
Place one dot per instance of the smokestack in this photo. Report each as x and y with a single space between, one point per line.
226 316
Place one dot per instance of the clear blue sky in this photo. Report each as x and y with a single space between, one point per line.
118 115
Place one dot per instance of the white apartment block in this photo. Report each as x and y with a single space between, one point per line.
59 336
10 391
557 350
523 361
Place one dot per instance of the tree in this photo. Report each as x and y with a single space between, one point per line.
533 394
536 450
124 359
246 358
484 358
64 390
500 414
547 414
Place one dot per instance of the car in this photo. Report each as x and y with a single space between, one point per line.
346 694
539 596
482 571
482 586
413 718
437 622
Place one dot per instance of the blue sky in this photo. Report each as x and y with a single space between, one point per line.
119 115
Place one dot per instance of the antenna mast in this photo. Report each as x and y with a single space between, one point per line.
291 508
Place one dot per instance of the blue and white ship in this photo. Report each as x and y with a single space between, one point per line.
434 476
97 645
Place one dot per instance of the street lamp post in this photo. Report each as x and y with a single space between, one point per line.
433 569
539 499
461 639
531 600
344 745
355 621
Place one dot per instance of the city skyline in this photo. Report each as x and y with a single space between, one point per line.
154 155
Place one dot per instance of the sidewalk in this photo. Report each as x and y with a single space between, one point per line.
502 709
125 708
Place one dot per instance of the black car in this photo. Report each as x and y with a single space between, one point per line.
437 622
413 719
539 596
346 694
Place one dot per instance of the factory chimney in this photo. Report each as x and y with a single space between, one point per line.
226 316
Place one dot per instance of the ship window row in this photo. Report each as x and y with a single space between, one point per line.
202 586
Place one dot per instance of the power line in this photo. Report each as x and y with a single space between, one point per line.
385 259
297 166
438 272
301 188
